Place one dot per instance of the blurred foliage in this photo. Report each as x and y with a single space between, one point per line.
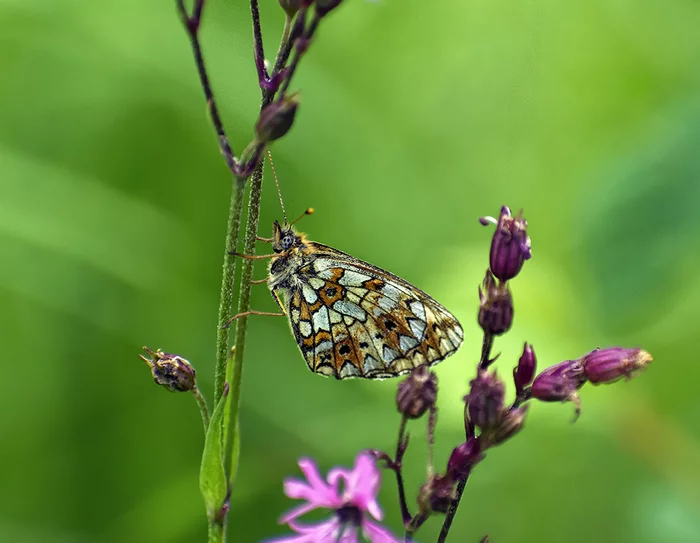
416 119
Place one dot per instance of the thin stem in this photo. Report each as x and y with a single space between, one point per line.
203 407
192 25
258 46
298 53
400 450
413 526
216 532
484 361
235 369
432 423
227 281
452 511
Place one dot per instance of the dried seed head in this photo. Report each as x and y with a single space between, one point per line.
510 246
170 370
610 365
512 422
436 494
417 393
485 400
496 306
276 119
524 372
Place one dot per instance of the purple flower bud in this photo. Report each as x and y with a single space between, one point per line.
276 119
324 6
436 495
524 372
559 383
485 400
170 370
496 306
511 423
610 365
417 393
464 458
510 246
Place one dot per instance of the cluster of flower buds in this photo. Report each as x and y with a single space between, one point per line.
510 248
170 370
486 410
560 383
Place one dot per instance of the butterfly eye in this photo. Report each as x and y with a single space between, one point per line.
287 242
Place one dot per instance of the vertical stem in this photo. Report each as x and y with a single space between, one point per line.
216 532
227 280
235 370
398 470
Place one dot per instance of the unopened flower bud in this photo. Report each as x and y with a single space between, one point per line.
610 365
485 400
464 458
510 246
559 383
417 393
436 495
512 422
276 119
290 7
496 306
524 372
170 370
324 6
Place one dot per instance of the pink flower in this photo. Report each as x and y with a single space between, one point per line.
353 503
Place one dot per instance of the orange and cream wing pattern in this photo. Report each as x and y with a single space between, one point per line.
352 319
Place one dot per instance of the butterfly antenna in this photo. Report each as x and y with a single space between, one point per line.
307 212
279 192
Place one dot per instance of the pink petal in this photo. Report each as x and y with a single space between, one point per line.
361 484
296 512
324 532
377 534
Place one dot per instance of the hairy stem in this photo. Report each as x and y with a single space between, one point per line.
227 281
398 470
216 532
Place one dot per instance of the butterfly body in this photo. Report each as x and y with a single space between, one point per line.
353 319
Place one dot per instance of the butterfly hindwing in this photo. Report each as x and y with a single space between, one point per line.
353 319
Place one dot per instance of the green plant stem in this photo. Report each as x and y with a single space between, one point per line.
227 281
216 532
203 407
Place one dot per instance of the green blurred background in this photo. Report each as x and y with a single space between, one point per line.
417 118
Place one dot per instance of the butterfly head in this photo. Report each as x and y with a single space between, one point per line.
284 238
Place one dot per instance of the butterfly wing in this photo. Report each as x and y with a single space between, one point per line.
353 319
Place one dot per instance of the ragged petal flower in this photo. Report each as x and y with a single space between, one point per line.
610 365
351 495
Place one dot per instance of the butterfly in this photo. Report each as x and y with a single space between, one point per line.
353 319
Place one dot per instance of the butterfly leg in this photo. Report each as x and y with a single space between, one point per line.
259 281
252 257
266 240
252 312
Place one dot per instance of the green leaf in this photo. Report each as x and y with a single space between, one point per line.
212 476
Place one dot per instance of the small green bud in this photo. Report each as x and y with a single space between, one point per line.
276 119
170 370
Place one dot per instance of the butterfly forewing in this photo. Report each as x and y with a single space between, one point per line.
353 319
